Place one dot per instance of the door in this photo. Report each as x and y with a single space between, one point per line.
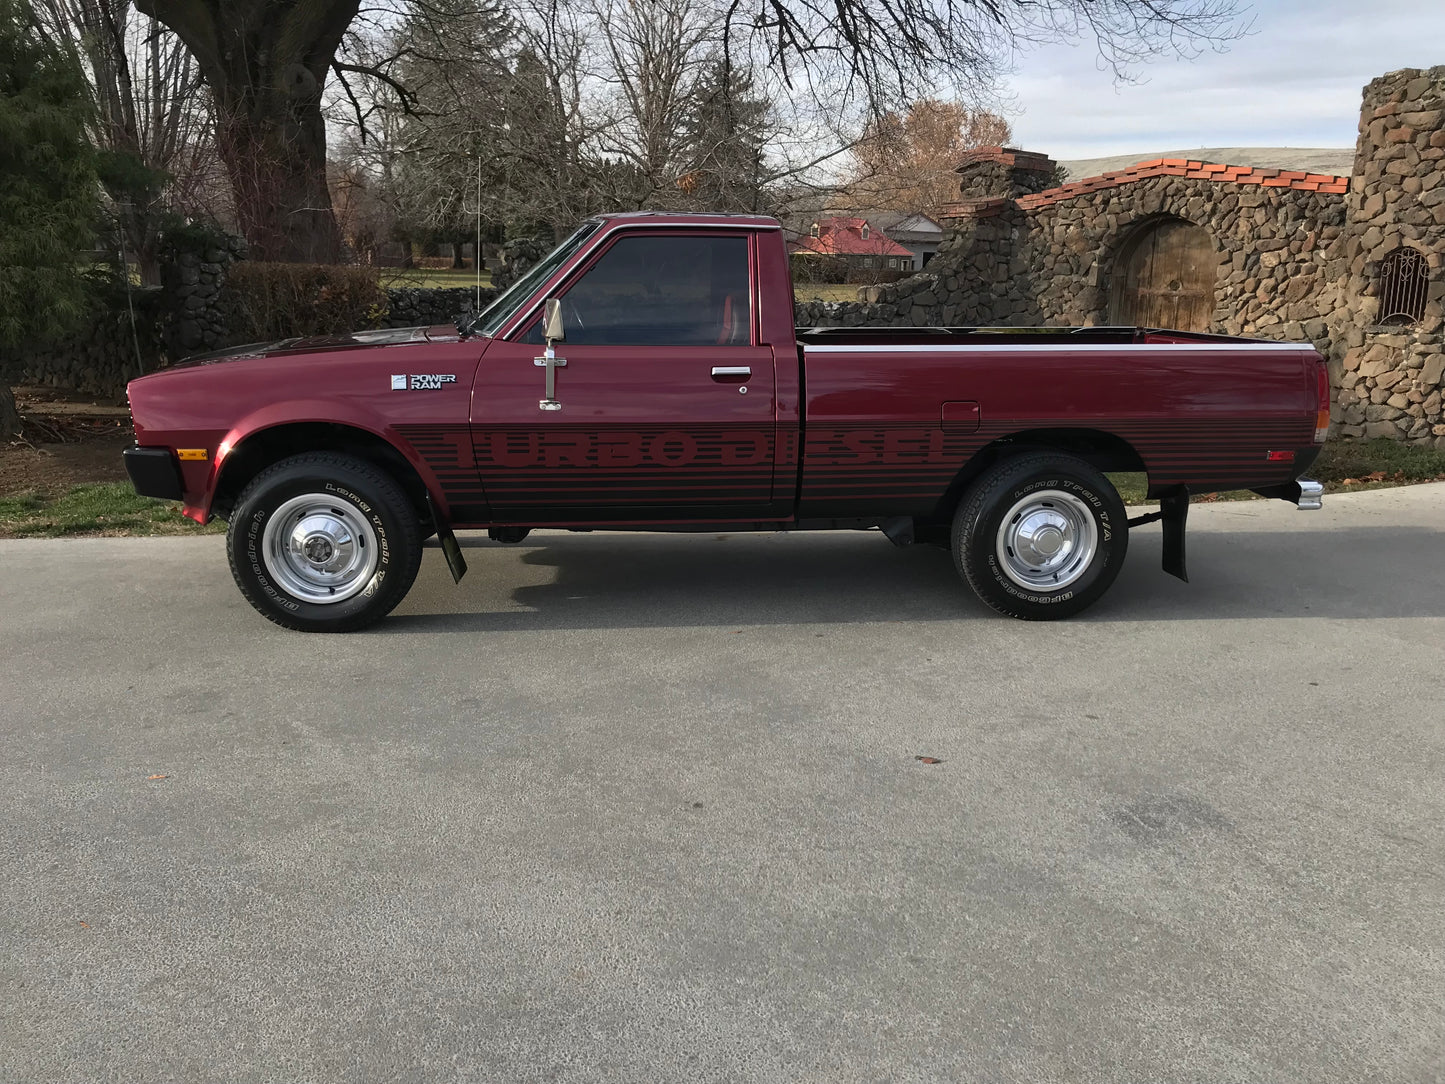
661 405
1166 278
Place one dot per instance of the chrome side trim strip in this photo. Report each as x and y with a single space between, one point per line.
1022 343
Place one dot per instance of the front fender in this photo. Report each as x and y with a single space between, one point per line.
298 412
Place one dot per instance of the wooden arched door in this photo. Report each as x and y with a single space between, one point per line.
1165 278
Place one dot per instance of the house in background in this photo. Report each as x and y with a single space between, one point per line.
854 240
918 233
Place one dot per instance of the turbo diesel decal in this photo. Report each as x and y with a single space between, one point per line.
607 449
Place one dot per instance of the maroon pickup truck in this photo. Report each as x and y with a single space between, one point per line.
647 375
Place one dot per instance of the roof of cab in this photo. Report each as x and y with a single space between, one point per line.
693 218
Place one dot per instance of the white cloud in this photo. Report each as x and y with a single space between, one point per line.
1294 82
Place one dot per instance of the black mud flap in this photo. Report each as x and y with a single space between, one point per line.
1176 510
450 549
1173 512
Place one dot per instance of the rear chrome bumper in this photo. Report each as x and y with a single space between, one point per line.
1308 496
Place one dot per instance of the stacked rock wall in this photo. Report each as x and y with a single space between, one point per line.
108 351
195 314
409 306
1388 376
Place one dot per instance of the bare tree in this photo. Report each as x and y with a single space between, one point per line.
905 161
150 115
427 139
654 53
553 177
267 63
884 52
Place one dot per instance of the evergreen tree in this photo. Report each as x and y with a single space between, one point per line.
48 191
726 130
538 155
455 67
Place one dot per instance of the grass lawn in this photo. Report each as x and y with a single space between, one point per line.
101 508
112 508
433 279
826 292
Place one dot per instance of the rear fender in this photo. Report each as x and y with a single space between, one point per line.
1104 451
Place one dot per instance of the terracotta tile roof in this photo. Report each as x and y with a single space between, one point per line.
844 237
1181 167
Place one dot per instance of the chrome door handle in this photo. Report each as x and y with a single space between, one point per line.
731 372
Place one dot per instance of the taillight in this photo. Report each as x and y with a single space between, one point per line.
1322 417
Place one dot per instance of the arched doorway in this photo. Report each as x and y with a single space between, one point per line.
1164 277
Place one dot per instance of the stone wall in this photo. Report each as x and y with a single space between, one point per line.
409 306
105 354
195 314
1388 376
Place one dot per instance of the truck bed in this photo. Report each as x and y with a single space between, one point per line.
892 415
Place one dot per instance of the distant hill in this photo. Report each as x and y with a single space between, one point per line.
1339 161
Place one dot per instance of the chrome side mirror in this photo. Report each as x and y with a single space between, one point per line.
552 329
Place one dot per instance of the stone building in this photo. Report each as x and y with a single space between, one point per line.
1352 264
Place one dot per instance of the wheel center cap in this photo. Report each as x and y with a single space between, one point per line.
1048 541
318 549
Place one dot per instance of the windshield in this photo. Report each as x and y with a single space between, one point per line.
490 320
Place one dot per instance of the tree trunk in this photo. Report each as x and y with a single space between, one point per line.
277 167
266 62
9 416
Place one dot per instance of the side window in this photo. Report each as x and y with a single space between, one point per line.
661 291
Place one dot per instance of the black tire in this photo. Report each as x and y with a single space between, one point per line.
1072 506
353 508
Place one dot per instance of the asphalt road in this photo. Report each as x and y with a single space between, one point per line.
648 808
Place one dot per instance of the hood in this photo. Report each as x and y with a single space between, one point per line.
315 344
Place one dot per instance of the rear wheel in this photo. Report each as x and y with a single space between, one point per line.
323 542
1040 536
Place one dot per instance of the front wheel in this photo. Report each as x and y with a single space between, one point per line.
1040 536
324 543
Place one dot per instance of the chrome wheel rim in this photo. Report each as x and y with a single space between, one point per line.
320 549
1047 540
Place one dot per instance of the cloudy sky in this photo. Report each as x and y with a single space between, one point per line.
1294 82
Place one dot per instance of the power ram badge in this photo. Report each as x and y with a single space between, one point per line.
421 381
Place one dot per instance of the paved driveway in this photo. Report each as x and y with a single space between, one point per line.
649 808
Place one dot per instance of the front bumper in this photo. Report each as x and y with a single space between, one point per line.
154 472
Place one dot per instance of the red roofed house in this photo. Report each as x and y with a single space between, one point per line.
854 240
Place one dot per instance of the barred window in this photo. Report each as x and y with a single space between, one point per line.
1404 276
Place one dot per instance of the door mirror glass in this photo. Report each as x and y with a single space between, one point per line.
552 321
